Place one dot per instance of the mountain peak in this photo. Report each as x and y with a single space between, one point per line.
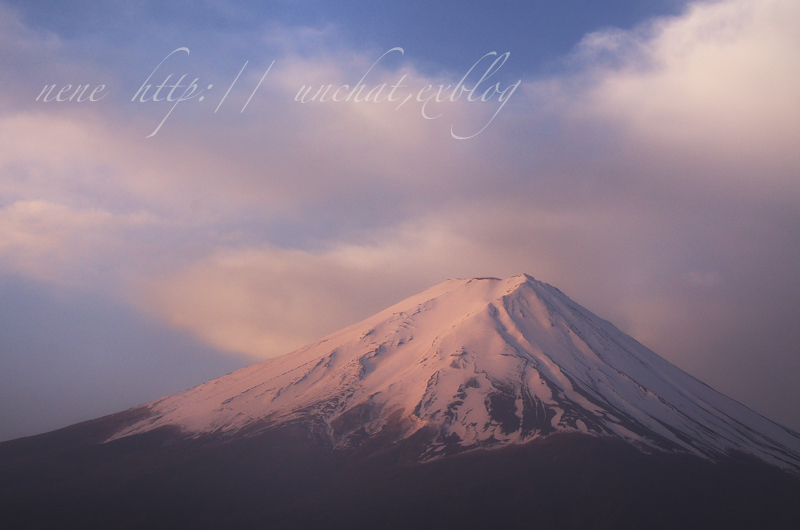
478 362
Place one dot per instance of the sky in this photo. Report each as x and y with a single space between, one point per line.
639 155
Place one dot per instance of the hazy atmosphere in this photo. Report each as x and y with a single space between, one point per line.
196 200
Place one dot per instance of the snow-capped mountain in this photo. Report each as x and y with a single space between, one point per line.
561 422
479 362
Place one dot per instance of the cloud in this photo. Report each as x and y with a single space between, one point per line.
52 242
41 239
265 301
717 83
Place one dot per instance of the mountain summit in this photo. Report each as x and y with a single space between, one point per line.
476 363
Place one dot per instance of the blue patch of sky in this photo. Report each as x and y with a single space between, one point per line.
448 34
68 356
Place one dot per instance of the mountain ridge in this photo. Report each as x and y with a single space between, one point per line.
472 363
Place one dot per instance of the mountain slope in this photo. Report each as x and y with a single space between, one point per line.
477 363
560 420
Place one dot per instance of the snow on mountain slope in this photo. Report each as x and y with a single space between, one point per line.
475 363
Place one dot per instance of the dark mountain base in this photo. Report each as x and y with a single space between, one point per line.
288 479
